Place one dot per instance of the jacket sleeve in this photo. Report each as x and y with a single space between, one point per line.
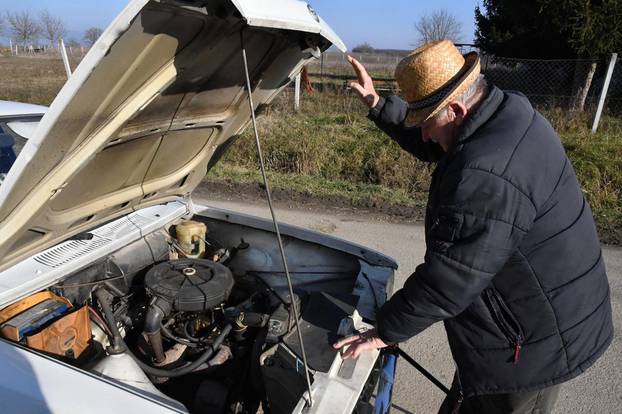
389 115
480 222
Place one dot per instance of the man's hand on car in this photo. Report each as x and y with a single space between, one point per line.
365 341
364 87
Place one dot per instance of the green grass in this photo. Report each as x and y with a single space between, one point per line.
330 148
330 139
597 160
354 193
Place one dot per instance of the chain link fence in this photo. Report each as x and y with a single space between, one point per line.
566 84
570 84
546 83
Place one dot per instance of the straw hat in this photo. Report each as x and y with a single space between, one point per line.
432 75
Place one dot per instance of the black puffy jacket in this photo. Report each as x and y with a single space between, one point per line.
513 263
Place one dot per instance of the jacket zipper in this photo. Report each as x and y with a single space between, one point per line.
506 321
460 396
433 198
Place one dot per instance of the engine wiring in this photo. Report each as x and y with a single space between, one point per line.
170 335
93 283
99 321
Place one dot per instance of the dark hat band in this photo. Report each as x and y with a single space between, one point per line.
435 97
439 95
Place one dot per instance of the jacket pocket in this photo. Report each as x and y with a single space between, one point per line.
505 321
444 231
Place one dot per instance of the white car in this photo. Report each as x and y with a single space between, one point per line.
117 293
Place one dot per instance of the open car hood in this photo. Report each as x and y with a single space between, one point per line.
149 110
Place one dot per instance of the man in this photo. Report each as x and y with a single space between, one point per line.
513 263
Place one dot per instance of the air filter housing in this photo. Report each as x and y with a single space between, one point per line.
190 285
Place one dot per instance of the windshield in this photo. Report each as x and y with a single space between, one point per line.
13 136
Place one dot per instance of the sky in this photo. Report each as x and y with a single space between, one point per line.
385 24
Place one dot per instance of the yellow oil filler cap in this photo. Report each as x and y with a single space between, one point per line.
191 237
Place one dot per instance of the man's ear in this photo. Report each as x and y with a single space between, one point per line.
460 111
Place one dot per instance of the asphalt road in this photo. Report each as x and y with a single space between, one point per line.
599 390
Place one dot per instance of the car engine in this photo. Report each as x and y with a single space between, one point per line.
184 327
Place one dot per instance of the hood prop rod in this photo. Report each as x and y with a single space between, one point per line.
274 221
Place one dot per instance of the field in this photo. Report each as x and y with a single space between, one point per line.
32 79
330 151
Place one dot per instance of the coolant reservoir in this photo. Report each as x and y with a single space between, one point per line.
191 238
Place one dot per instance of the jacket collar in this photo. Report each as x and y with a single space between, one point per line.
482 113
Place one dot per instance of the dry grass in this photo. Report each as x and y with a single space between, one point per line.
330 139
32 79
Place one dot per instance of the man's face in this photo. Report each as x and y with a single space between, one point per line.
438 129
443 128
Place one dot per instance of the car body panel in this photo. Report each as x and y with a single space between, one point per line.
140 120
36 384
51 265
23 128
284 14
10 109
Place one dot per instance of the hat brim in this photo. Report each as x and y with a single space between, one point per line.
468 75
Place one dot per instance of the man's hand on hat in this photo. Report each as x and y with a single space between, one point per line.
364 87
356 344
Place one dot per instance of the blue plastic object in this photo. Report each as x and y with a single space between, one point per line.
385 382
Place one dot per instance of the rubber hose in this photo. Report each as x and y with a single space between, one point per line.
170 335
157 372
153 321
118 346
178 372
155 340
188 336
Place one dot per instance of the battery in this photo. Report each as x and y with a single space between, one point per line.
33 319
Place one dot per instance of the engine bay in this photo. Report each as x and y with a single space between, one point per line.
195 315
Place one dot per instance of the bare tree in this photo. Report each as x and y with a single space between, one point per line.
2 23
438 26
73 43
92 34
52 27
24 27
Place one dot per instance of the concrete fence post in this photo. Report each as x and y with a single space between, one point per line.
603 93
322 69
297 93
63 53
